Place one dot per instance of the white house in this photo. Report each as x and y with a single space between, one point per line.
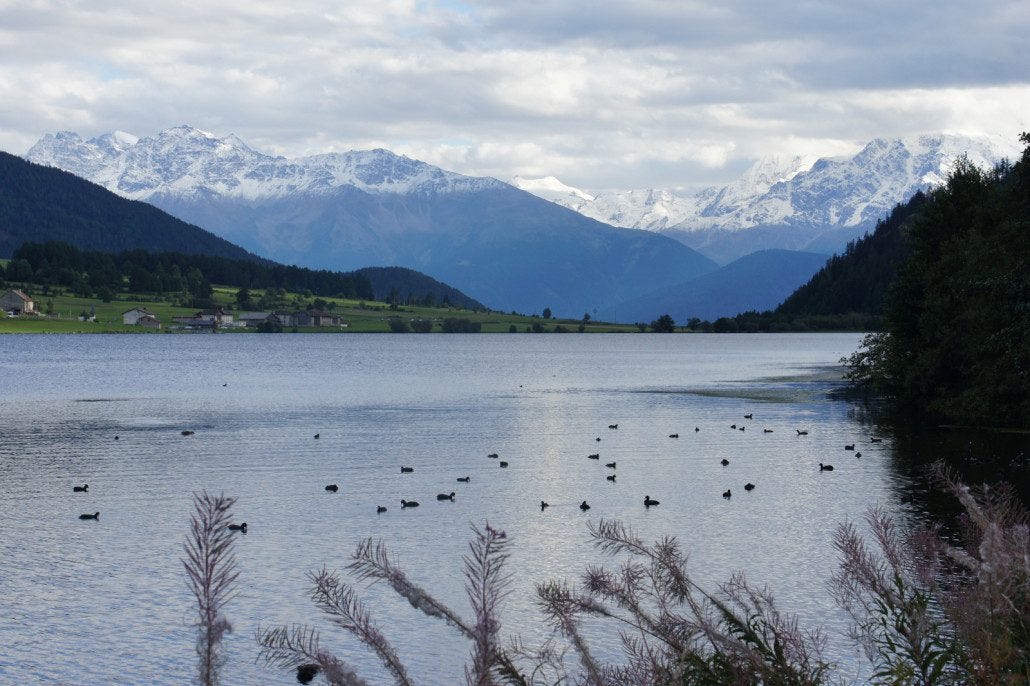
132 317
17 302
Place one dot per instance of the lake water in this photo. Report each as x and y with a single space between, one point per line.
106 602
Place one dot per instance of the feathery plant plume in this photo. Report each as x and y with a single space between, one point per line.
931 612
485 584
672 631
211 569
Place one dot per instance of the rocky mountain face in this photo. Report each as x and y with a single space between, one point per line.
505 247
794 203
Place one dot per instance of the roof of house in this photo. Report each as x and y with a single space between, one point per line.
21 295
139 309
255 315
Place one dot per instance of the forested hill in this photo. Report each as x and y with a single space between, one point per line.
39 203
856 282
399 284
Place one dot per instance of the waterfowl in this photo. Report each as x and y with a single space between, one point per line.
407 470
858 454
493 455
850 447
583 506
464 479
224 385
504 464
728 494
95 515
307 672
116 438
825 467
749 486
742 428
543 505
674 435
408 503
696 429
444 496
749 416
332 488
81 489
610 465
380 510
598 439
186 433
318 435
649 502
594 456
767 431
238 527
613 426
801 433
733 426
724 462
610 477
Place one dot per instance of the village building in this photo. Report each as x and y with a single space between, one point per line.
132 317
17 302
195 322
149 322
259 318
219 316
317 318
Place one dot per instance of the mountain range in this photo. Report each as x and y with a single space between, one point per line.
796 203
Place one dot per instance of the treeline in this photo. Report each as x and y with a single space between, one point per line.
955 344
101 274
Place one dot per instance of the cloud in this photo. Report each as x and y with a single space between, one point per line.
603 95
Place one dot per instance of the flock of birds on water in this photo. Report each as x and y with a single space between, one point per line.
649 502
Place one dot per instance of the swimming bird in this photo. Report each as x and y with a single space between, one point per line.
749 416
610 477
224 385
116 438
749 486
613 426
503 464
464 479
583 506
733 426
801 433
594 456
543 505
333 488
318 435
696 429
81 489
850 447
728 494
238 527
598 439
380 510
649 502
767 431
493 455
407 470
825 467
610 465
95 515
742 428
408 503
186 433
724 462
674 435
443 496
858 454
307 672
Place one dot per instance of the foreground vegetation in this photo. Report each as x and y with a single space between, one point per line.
926 611
955 345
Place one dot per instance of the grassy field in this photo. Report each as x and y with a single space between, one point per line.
361 317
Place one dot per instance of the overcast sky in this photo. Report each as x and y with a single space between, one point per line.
603 94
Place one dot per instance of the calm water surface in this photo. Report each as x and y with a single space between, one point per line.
106 602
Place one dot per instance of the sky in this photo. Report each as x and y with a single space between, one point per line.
602 94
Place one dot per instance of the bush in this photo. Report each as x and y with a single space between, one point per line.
422 325
398 325
462 325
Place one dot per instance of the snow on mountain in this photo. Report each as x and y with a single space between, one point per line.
827 192
184 161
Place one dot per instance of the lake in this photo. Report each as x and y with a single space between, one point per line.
89 602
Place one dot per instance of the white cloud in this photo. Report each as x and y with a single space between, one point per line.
603 95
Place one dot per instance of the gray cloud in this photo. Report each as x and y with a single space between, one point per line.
603 95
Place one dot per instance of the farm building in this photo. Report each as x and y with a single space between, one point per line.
17 302
132 317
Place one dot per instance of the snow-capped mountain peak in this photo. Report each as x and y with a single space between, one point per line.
185 161
550 188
